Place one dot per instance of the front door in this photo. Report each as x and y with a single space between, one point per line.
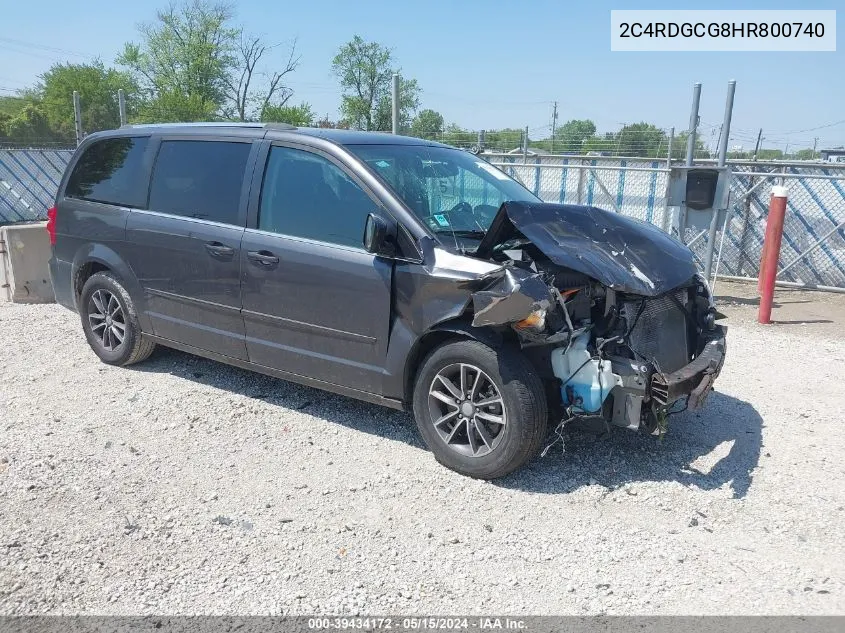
315 303
186 248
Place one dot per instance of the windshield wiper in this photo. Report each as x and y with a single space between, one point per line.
472 234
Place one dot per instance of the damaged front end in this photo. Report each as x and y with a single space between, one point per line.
628 325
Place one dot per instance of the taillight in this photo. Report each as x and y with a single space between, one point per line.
51 225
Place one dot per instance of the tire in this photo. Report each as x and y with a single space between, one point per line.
503 446
103 294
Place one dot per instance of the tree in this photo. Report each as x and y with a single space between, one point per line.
455 135
679 147
97 87
300 115
427 124
570 136
174 106
244 97
641 139
805 154
601 144
326 123
365 71
192 63
770 154
184 60
9 108
29 126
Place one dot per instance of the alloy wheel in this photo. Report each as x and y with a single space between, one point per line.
106 318
467 409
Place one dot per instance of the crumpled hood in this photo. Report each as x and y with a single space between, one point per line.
623 254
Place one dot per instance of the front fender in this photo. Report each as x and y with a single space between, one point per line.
401 368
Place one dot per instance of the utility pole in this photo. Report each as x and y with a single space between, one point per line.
757 146
554 125
395 103
815 143
719 139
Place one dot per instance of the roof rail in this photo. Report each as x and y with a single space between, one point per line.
266 126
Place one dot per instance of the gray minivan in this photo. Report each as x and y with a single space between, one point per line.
395 270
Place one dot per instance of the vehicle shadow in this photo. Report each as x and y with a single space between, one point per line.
717 446
711 448
284 395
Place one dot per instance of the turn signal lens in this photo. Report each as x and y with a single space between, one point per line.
536 320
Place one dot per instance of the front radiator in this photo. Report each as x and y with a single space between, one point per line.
660 333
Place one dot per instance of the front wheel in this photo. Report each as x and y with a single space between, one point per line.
482 412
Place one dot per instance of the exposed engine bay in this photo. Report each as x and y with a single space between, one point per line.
624 349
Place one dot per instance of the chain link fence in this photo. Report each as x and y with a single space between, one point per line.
812 254
29 179
813 246
813 251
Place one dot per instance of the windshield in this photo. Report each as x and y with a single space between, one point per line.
451 191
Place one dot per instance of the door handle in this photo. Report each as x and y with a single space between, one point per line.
263 258
216 249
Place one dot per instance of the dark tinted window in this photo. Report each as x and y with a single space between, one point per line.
306 195
199 179
111 171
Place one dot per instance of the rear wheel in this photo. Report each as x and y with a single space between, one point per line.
110 322
482 412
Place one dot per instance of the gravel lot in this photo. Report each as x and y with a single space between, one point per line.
185 486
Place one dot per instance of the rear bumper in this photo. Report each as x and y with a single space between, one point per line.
61 275
696 379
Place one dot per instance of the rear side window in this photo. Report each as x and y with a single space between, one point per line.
111 171
306 195
199 179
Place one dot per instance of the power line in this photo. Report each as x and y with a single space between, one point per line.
54 49
813 129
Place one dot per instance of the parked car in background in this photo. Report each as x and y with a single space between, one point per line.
399 271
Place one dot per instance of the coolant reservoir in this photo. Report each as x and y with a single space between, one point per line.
586 388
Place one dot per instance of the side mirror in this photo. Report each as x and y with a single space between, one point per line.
375 236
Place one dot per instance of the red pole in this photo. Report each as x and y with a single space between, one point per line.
763 260
771 252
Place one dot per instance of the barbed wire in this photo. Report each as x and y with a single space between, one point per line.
624 141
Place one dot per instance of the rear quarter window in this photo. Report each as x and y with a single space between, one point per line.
199 179
111 171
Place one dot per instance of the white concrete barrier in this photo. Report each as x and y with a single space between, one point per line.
24 269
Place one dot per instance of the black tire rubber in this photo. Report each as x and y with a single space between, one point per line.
524 400
135 346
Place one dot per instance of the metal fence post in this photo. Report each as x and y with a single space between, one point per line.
580 183
743 234
693 126
77 117
121 104
723 157
665 225
395 103
693 123
525 147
